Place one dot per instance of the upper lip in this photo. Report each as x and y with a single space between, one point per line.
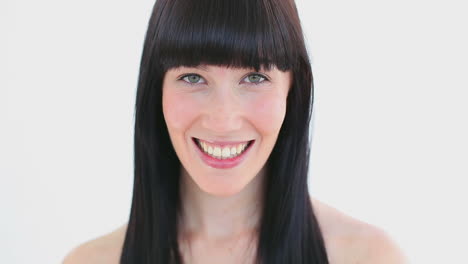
218 142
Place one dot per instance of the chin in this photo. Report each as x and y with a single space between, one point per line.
221 190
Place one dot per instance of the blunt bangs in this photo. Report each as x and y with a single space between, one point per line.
232 33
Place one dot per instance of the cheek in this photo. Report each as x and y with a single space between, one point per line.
267 113
179 111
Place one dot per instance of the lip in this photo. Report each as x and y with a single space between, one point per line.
225 143
225 163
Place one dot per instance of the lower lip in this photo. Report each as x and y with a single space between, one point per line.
225 163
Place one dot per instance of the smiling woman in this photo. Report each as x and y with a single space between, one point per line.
223 108
224 112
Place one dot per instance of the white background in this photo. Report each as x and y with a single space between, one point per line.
389 128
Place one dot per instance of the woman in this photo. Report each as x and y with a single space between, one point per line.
223 107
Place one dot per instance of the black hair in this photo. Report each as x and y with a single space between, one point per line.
241 33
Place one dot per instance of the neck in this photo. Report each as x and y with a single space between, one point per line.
212 217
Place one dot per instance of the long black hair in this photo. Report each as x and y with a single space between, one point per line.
241 33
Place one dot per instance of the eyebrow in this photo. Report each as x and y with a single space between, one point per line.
201 67
204 68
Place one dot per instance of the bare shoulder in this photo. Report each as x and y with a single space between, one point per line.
105 249
349 240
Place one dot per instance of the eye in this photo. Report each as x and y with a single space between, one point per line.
191 78
255 78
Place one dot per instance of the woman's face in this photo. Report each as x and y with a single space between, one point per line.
224 122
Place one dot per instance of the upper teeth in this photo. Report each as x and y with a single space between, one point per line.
222 152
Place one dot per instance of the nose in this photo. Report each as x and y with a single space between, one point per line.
223 112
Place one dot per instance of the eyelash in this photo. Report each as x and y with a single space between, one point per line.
257 74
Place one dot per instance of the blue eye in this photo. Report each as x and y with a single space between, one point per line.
191 78
256 78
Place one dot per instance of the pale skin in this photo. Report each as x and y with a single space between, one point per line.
220 206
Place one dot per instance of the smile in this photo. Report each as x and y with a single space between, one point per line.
222 155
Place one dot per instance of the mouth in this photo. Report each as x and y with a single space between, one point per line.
222 155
